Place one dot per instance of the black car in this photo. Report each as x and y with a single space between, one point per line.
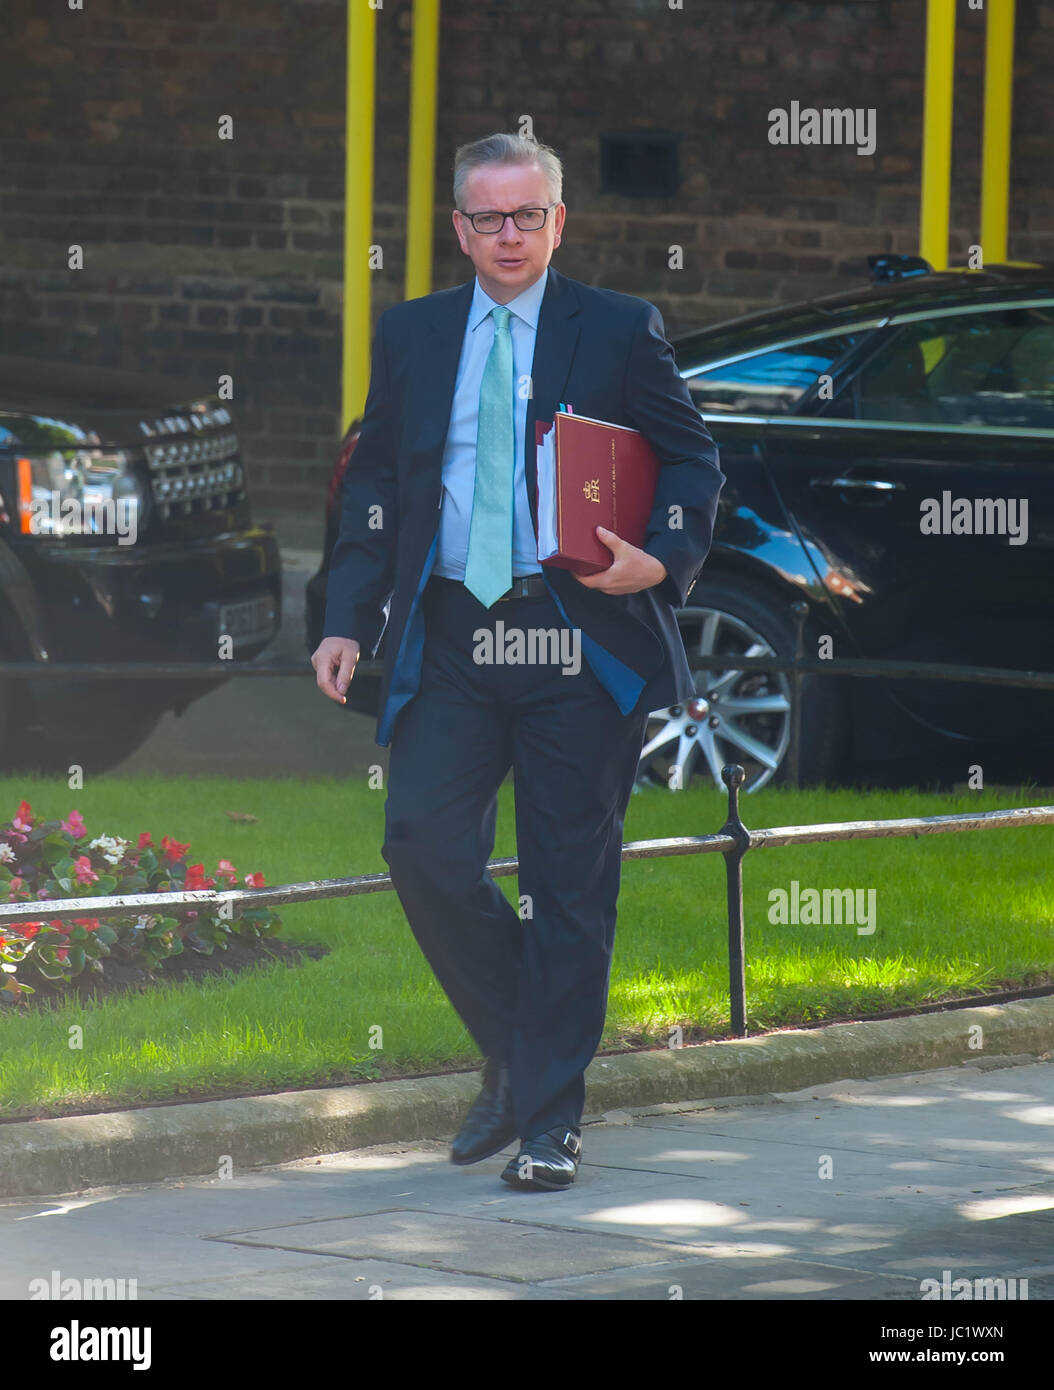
889 455
81 448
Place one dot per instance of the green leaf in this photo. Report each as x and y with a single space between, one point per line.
50 970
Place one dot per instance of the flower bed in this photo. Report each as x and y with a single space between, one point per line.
48 860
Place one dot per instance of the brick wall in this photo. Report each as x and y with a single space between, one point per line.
206 256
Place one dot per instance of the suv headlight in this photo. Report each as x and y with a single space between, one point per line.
80 492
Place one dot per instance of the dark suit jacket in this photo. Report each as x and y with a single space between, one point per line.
607 355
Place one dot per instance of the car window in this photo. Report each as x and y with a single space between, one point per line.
768 383
972 369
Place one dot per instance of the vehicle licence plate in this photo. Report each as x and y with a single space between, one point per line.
250 620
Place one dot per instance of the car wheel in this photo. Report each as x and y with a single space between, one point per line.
740 716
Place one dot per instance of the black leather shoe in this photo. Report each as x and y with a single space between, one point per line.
489 1125
547 1163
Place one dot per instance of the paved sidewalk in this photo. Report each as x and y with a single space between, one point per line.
933 1171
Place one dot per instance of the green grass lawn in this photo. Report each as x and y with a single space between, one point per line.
955 914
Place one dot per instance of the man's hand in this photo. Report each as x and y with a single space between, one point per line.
631 571
335 656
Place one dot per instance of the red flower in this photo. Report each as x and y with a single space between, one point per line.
172 849
145 841
254 880
64 927
63 952
196 878
23 817
29 929
89 923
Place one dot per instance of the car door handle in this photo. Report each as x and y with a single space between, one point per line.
858 484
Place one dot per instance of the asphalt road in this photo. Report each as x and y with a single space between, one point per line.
266 727
285 727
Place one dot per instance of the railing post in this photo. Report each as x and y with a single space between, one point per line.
733 776
800 610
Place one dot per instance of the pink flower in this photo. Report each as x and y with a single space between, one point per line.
75 825
85 873
23 817
254 880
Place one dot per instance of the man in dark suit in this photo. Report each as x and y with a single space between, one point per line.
438 542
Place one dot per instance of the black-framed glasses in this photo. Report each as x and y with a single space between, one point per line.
526 219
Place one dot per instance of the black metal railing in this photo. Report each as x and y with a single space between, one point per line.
734 840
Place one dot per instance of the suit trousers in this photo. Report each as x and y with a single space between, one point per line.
529 983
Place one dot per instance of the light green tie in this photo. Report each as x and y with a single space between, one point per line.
488 568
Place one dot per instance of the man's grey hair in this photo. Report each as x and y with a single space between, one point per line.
502 148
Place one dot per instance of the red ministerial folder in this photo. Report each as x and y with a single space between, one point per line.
591 473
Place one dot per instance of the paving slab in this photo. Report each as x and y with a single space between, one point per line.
746 1279
708 1200
365 1280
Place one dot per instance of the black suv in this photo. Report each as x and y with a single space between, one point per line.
890 460
125 535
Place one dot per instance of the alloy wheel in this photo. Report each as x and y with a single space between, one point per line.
736 716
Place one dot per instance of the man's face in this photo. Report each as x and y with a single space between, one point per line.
510 260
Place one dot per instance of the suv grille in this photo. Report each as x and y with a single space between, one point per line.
196 473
